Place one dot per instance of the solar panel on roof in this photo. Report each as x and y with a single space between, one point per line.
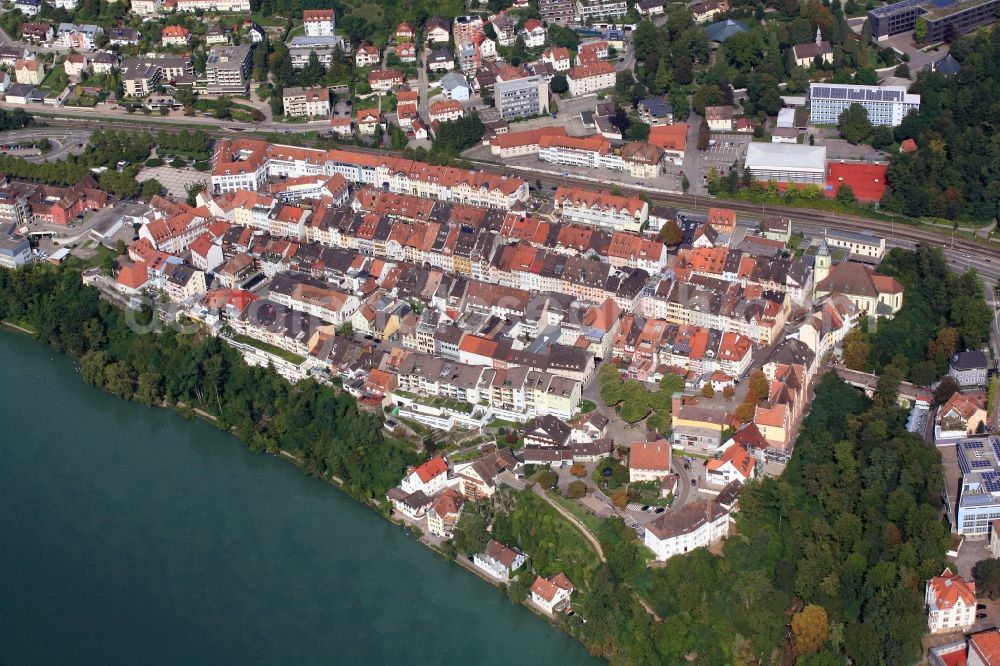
973 445
995 443
981 464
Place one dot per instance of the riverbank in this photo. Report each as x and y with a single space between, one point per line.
133 536
198 375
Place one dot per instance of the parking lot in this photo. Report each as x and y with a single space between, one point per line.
728 148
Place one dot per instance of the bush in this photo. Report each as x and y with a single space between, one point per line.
178 163
154 162
576 490
547 479
203 166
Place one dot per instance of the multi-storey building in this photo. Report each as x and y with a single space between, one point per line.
557 11
886 105
944 18
593 9
319 22
585 79
227 70
307 102
519 98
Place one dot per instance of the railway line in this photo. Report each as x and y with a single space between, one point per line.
892 231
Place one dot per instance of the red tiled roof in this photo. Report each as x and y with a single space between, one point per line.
432 468
650 455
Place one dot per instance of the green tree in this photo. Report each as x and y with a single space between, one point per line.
987 574
920 30
559 84
854 124
150 188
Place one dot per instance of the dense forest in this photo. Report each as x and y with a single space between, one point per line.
319 425
956 171
943 312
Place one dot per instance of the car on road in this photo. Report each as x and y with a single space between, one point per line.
980 606
980 616
694 482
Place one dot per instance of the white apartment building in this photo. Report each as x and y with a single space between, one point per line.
601 209
220 6
307 102
319 22
586 79
886 105
591 9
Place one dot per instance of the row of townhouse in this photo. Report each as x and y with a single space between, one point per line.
773 273
246 164
746 309
455 246
649 346
517 393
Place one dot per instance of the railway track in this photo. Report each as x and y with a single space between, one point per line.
901 231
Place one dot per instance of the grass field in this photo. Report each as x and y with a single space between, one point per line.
55 81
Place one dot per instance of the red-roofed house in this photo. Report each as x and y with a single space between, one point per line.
368 121
366 55
431 477
552 593
648 461
672 139
959 417
132 278
908 146
175 35
558 57
951 603
406 52
404 31
736 464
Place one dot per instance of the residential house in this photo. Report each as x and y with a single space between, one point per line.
648 461
719 118
499 560
79 37
319 22
707 10
37 32
431 477
655 111
951 603
696 525
534 34
587 79
306 102
736 464
384 80
30 72
75 65
478 478
406 52
366 55
553 593
444 513
437 29
28 7
969 368
441 60
456 87
960 416
404 32
369 120
558 57
175 35
445 110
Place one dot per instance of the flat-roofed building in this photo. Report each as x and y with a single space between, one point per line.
521 98
786 163
886 105
227 68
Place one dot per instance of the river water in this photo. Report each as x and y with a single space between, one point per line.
131 536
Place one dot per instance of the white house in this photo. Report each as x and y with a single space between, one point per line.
695 525
552 593
951 603
431 477
499 561
736 464
648 461
969 368
534 34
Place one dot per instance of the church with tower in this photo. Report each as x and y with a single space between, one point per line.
873 294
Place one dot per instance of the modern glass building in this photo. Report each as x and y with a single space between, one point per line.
942 16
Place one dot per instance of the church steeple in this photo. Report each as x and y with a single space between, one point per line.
819 37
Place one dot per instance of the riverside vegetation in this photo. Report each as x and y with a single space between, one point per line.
847 534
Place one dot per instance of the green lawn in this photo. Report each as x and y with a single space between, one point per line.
584 514
55 81
270 349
